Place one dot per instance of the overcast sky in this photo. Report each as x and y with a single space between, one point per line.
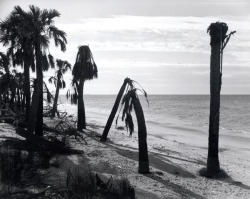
162 44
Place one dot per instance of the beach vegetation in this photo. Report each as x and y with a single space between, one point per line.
84 183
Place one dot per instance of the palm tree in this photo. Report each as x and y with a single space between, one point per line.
5 76
130 101
41 29
84 69
114 110
13 32
218 35
63 66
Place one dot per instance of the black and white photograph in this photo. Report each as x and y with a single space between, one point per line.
125 99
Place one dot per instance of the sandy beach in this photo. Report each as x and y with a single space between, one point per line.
175 160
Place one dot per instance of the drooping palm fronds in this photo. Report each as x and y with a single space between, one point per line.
84 65
84 69
129 102
127 105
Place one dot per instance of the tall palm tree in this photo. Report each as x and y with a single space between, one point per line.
63 66
4 62
5 76
84 69
41 29
218 35
14 33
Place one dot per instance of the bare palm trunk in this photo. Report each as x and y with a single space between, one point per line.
33 110
34 121
81 122
113 112
39 120
27 89
142 137
54 109
213 165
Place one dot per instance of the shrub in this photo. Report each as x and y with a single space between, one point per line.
81 183
11 165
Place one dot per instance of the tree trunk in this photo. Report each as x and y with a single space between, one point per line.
33 110
213 165
54 109
142 137
81 122
39 117
27 89
113 112
34 120
18 99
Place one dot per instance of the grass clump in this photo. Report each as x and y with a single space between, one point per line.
83 183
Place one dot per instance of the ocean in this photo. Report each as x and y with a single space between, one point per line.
172 110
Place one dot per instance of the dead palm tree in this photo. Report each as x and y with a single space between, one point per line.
58 80
114 109
218 42
84 69
131 100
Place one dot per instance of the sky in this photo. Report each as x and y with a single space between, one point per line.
162 44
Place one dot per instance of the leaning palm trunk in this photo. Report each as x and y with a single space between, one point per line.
54 109
213 165
142 137
113 111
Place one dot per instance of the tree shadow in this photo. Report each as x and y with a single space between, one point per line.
184 193
158 161
224 177
161 163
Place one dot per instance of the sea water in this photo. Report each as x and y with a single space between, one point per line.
170 110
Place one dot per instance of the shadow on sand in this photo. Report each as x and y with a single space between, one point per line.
160 162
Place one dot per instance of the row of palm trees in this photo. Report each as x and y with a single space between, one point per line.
27 36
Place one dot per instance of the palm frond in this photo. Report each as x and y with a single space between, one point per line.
51 61
63 84
61 43
129 123
45 63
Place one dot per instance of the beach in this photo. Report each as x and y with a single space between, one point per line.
177 152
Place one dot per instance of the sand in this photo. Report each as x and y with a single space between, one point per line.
175 160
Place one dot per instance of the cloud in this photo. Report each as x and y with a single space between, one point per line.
156 34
